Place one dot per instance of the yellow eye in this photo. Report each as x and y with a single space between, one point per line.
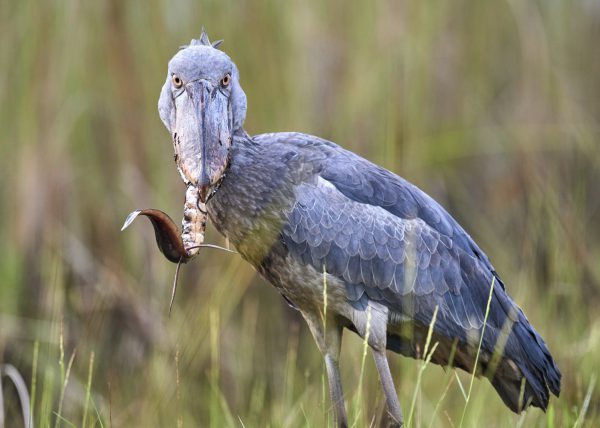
177 82
225 80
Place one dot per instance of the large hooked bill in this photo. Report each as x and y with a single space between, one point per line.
178 247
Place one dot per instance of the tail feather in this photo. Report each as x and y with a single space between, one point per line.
527 373
524 375
515 390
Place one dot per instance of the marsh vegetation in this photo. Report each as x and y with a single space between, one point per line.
492 108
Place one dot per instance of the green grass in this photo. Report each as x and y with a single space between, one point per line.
490 107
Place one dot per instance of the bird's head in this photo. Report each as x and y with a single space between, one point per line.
202 105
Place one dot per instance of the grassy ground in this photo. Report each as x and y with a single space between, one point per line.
491 107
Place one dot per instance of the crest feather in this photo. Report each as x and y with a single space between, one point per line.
203 41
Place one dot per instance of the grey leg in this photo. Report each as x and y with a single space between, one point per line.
329 340
335 390
389 390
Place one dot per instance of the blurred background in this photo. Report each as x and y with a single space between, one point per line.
493 108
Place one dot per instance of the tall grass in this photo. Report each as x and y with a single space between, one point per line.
491 107
427 354
475 364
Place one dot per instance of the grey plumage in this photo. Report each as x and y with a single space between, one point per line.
298 207
291 198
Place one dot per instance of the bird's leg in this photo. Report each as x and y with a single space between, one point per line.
371 325
335 389
328 335
393 404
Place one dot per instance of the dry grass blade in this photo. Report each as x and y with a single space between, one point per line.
365 348
586 403
13 374
34 369
62 391
88 390
487 312
427 354
439 402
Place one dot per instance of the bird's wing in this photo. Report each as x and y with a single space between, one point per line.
362 181
390 242
404 263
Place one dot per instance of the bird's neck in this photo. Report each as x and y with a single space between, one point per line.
247 207
241 134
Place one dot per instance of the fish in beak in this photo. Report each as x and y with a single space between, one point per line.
177 247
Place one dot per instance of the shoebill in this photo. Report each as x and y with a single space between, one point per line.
347 243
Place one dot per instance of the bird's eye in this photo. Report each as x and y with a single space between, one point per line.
177 82
225 80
